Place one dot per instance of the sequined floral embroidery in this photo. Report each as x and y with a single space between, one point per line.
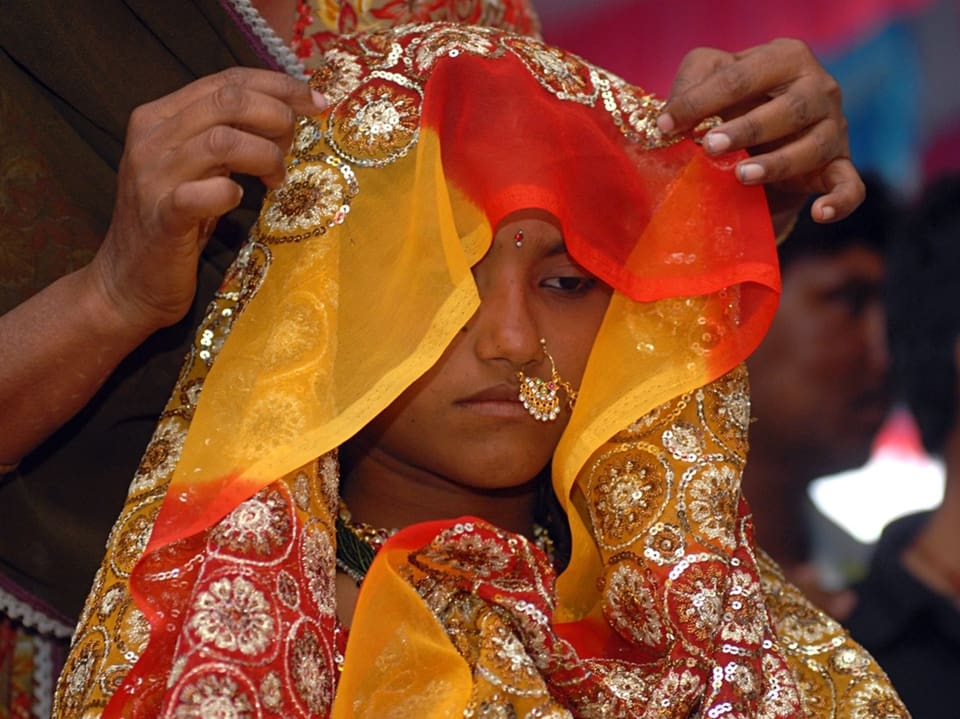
631 607
635 114
215 695
676 691
452 42
310 195
697 599
161 455
318 562
310 665
561 73
744 624
338 74
780 695
377 123
233 615
664 544
711 501
631 486
133 533
468 552
874 700
315 194
506 663
734 409
684 442
259 528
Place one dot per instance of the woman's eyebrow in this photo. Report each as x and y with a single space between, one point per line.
559 247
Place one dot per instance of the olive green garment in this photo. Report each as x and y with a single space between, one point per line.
71 71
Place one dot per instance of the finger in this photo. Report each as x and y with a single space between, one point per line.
810 151
844 192
800 107
295 93
220 151
750 77
231 105
695 67
192 203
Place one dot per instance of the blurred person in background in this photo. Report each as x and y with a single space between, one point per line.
819 381
908 607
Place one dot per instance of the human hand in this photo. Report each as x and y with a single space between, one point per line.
174 182
777 101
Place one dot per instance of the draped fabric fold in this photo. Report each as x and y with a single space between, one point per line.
218 588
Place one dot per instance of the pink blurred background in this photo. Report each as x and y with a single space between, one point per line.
898 61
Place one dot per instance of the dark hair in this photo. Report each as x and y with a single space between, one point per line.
870 225
923 309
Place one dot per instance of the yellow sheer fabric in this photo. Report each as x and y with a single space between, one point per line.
413 670
315 357
356 279
673 478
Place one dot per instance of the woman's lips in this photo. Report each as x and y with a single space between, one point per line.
498 401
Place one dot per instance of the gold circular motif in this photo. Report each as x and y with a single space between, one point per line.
563 74
258 530
311 667
628 488
310 197
631 606
664 544
338 74
711 494
451 41
695 600
215 690
378 122
132 534
81 672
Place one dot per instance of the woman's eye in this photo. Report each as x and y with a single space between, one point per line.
570 284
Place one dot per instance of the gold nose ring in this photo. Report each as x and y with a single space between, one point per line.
541 398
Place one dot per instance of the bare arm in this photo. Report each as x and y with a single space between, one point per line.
60 346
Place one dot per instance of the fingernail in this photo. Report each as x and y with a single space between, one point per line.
665 123
827 213
318 99
750 172
717 142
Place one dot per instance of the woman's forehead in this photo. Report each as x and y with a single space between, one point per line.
527 214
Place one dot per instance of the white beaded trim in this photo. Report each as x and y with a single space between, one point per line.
277 48
32 618
42 677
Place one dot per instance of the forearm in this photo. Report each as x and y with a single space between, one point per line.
58 348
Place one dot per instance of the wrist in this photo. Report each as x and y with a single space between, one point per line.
109 314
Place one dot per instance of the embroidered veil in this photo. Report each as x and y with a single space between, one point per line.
217 589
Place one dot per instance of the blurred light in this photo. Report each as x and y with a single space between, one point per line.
892 484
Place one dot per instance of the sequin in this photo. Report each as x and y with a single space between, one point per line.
378 122
234 616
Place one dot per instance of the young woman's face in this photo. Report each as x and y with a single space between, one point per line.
462 420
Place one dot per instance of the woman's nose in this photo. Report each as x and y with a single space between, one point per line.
505 326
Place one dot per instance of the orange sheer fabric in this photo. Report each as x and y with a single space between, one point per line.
356 278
